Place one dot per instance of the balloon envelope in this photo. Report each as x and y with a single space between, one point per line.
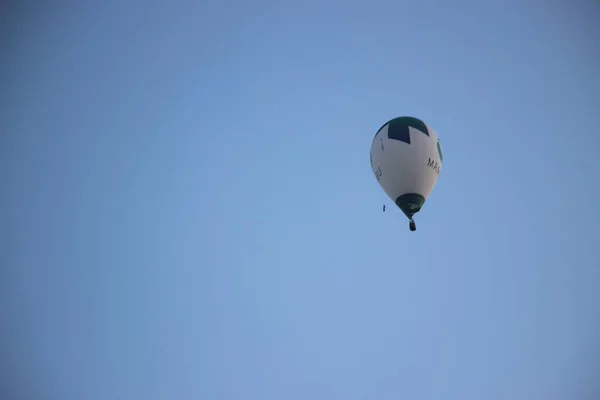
406 158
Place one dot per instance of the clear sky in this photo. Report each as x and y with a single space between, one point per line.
188 209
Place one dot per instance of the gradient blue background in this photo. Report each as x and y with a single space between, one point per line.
188 209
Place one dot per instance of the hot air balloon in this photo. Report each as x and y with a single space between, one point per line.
406 158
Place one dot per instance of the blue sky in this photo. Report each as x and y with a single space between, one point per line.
188 209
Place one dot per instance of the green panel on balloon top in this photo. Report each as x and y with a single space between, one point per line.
398 128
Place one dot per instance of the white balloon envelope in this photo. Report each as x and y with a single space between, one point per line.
406 158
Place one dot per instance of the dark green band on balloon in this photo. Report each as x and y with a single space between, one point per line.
398 128
410 203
